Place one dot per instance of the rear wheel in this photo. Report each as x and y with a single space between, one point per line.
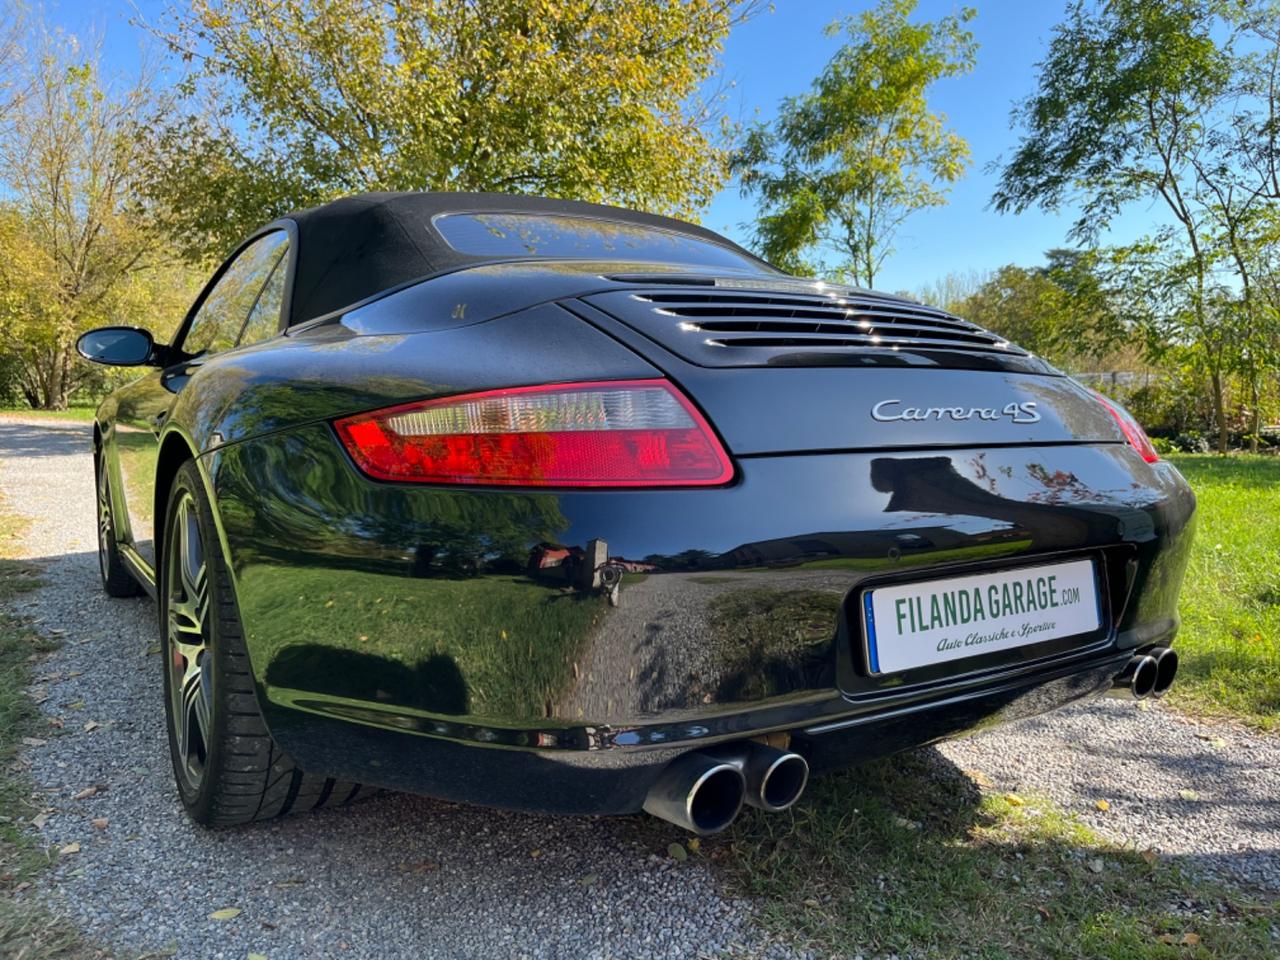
117 581
228 769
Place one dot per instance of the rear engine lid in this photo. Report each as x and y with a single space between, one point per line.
784 365
751 322
761 410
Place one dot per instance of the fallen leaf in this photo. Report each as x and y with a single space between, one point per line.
1103 805
535 854
677 852
1095 866
1014 800
70 848
1190 939
1167 939
1150 856
100 822
419 866
88 792
76 705
257 956
1044 912
33 742
91 726
1188 795
227 913
695 844
39 820
589 880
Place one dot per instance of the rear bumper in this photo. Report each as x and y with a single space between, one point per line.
463 643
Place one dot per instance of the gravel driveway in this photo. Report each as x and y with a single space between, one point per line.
401 876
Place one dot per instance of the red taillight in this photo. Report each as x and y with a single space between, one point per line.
619 433
1133 431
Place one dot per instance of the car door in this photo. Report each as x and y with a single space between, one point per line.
214 325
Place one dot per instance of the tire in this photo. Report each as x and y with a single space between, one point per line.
117 581
228 769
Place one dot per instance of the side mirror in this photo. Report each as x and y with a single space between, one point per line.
117 346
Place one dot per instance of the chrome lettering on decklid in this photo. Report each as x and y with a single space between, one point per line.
890 411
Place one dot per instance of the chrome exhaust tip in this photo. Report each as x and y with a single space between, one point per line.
1166 669
775 778
700 793
1138 678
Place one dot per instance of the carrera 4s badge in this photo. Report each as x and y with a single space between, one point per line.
889 411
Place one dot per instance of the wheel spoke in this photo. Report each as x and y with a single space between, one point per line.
187 596
195 714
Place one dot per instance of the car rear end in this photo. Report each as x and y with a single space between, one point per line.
865 525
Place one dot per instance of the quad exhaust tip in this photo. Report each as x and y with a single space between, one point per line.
698 792
1166 670
1147 674
704 792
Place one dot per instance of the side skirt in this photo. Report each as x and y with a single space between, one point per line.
140 569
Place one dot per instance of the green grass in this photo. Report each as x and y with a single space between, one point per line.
1229 642
73 412
910 857
25 930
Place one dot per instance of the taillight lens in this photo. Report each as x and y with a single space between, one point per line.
1133 431
619 433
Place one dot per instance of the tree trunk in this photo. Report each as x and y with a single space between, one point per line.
1220 411
1256 420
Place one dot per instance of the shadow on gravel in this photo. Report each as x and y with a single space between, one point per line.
52 439
910 856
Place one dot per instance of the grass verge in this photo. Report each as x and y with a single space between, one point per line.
73 412
910 857
26 931
1229 642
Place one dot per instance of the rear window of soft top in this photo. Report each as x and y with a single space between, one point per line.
565 237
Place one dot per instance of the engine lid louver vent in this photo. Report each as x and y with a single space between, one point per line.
725 327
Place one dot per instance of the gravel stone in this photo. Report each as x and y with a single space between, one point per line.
402 876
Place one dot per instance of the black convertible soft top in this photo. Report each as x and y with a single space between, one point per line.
361 245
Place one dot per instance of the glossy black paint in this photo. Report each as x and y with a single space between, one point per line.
462 642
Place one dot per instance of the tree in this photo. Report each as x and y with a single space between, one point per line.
1063 311
1132 101
583 99
843 166
74 248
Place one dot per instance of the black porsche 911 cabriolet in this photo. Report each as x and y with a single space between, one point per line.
561 507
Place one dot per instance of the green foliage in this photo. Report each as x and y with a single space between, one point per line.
1173 102
76 250
584 99
844 165
1062 311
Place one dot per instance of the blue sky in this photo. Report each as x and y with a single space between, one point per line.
779 54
